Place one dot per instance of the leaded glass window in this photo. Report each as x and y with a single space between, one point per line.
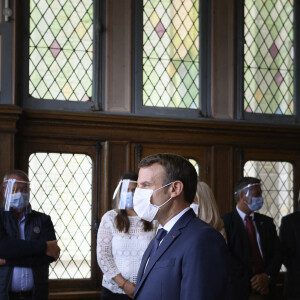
269 57
61 50
277 185
61 186
171 53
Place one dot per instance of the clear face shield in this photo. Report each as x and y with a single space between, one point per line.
254 200
16 195
124 193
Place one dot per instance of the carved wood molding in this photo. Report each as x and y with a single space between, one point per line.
9 115
102 126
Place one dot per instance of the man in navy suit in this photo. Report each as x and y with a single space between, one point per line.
191 261
290 239
255 258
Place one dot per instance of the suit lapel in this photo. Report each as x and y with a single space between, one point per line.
167 241
144 261
243 238
259 222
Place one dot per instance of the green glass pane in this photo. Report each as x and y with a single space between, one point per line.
268 56
61 32
170 53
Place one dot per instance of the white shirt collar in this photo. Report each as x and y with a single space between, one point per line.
243 215
168 226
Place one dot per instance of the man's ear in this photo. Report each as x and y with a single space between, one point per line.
242 196
177 188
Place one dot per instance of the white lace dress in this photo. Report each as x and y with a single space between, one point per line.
119 252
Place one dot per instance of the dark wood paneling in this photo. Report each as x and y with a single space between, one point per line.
9 115
91 127
222 177
220 147
118 164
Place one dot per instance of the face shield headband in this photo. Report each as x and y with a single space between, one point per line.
16 195
247 187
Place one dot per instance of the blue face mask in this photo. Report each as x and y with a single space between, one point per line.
257 203
19 201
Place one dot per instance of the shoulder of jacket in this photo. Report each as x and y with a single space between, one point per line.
228 216
39 214
263 217
292 216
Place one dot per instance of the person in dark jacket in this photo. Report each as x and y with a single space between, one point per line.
27 243
253 243
290 239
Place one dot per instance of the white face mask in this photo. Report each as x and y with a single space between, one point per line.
195 208
142 205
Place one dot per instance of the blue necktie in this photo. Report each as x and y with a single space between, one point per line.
159 236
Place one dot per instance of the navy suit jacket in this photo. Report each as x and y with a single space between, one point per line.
190 263
240 256
28 253
290 239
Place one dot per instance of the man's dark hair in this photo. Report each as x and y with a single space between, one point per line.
176 168
242 183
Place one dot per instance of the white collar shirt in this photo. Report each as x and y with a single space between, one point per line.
243 215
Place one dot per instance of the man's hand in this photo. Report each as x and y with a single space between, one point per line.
260 283
2 262
52 249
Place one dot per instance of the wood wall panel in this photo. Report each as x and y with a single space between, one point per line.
6 153
222 177
9 115
88 128
118 161
118 56
220 147
222 77
198 153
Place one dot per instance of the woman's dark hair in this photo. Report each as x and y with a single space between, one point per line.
122 220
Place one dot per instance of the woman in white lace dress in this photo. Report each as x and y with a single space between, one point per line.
122 239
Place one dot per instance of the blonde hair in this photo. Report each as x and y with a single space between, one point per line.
208 210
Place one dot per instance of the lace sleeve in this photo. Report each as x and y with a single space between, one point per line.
104 247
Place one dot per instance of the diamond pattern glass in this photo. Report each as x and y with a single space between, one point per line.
269 56
277 185
61 186
61 50
171 53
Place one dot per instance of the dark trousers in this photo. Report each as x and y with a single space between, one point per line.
108 295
